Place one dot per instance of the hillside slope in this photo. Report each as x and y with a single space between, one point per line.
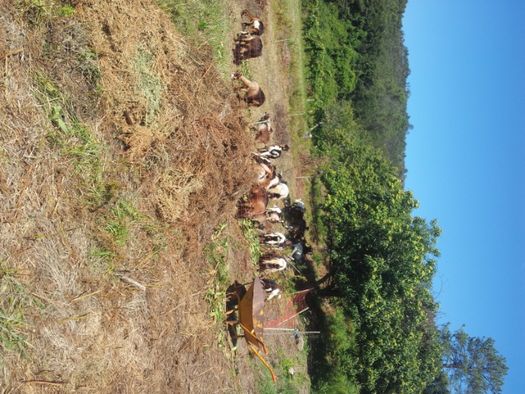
120 150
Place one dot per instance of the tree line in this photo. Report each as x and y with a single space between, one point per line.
382 335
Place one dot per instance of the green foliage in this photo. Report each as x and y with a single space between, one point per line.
14 303
216 253
73 139
382 257
439 385
252 237
335 372
66 10
473 364
330 55
382 264
355 52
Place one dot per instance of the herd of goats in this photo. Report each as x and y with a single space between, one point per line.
269 185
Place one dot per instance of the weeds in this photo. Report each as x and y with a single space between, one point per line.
14 302
252 237
88 65
103 259
245 70
66 10
35 11
288 381
117 230
216 252
122 215
39 11
75 141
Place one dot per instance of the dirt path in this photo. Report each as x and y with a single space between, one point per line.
271 72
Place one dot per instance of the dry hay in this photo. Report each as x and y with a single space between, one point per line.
172 143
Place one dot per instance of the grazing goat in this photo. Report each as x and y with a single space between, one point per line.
263 129
276 179
272 264
265 173
271 288
294 215
268 177
272 152
279 191
254 24
256 203
273 239
273 214
246 47
254 95
299 205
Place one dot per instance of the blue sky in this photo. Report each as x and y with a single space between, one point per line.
466 162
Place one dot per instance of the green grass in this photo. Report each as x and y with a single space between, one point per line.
117 225
203 22
118 230
245 69
121 217
66 10
216 252
286 383
37 12
252 237
103 260
288 16
75 141
15 301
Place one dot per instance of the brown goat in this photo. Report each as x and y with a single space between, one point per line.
263 129
266 173
246 47
254 95
254 24
256 203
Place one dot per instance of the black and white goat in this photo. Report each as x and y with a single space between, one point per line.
274 239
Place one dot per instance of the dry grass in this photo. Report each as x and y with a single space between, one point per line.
170 141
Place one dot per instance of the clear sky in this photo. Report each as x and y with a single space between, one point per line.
466 162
